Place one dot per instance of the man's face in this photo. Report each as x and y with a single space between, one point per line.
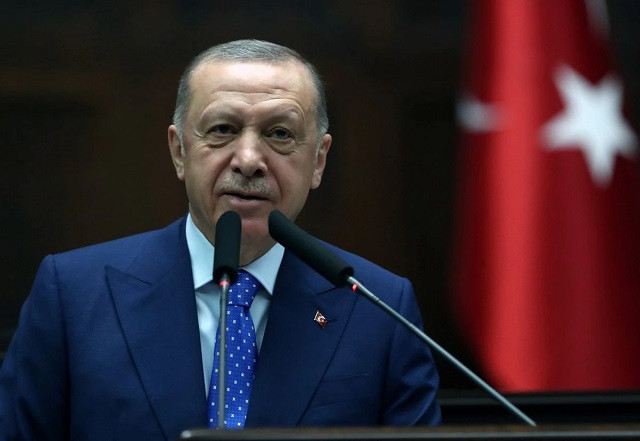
250 142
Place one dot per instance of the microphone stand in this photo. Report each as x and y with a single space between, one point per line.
358 287
222 347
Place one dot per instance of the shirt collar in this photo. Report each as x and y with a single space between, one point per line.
265 268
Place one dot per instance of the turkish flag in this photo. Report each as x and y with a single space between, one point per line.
547 267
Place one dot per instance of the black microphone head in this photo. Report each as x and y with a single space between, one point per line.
309 249
227 255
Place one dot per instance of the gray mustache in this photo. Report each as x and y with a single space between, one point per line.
241 184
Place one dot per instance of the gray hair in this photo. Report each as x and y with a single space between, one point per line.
249 50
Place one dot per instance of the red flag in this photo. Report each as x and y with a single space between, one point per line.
547 274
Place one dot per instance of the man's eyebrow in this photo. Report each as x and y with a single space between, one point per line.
224 111
287 113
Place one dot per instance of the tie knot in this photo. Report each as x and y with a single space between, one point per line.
244 290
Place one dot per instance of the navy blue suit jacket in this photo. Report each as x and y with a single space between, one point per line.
108 348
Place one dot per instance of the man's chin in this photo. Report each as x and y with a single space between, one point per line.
255 229
254 232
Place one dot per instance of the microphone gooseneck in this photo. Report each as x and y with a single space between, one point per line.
361 289
333 268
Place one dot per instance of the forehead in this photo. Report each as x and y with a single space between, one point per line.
254 80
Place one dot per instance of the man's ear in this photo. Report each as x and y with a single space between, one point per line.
321 161
176 150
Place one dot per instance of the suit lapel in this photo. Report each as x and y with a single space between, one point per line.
155 303
296 350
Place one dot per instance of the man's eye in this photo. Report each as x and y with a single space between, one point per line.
221 129
280 134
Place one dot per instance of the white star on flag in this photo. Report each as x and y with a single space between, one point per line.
591 121
476 116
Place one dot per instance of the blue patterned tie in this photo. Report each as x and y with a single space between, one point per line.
241 355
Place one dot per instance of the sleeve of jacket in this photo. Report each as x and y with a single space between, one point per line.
412 379
33 376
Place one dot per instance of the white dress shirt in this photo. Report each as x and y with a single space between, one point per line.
265 269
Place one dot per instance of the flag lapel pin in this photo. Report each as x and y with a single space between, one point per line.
320 319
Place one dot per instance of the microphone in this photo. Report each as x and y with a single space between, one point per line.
308 249
333 268
225 272
227 255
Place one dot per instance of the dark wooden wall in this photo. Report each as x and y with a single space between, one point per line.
87 93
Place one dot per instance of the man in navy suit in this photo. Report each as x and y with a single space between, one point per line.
116 340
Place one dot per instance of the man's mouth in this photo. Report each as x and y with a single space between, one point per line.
247 197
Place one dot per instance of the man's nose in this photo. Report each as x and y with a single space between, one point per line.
248 156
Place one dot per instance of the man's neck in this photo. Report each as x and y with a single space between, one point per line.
251 250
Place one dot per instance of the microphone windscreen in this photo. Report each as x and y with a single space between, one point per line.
309 249
227 255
